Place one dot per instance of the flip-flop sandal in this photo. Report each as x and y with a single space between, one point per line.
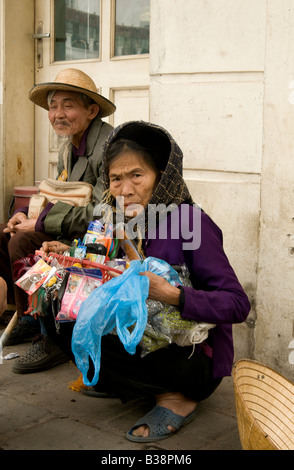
157 420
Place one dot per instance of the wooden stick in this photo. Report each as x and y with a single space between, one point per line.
126 244
7 332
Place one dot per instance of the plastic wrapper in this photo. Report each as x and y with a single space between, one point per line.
39 303
163 269
21 266
32 279
152 340
80 284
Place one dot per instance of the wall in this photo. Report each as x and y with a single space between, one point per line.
207 89
275 294
17 113
219 84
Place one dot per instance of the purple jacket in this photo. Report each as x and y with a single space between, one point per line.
216 296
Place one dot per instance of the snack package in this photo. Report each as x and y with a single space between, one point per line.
79 286
103 235
118 263
34 277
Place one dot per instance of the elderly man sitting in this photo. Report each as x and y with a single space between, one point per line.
75 110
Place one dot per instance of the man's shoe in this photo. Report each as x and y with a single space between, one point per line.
23 332
43 355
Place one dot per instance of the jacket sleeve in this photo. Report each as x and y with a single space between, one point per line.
67 222
216 296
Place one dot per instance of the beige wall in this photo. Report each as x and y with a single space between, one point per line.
219 84
275 293
207 88
16 112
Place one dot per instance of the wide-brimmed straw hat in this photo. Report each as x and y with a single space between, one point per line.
71 80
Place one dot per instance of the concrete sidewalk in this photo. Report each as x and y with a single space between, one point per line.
40 412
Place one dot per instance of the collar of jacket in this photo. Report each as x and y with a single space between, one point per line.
81 164
93 135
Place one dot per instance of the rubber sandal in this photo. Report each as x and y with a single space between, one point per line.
157 420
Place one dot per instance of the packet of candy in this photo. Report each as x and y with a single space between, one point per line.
78 288
34 277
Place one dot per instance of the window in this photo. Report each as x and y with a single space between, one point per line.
132 19
77 29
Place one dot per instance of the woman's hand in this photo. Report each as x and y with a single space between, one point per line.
54 247
160 289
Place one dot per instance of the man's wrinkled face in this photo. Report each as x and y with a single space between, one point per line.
68 115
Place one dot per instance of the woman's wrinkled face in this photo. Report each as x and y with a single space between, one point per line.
132 181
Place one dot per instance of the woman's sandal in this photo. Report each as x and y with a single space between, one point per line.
157 420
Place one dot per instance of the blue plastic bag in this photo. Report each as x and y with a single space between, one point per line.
118 303
161 268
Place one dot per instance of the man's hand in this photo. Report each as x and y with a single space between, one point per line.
20 223
54 247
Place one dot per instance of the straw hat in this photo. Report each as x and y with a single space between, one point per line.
71 80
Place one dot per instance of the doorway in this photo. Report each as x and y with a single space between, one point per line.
108 40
